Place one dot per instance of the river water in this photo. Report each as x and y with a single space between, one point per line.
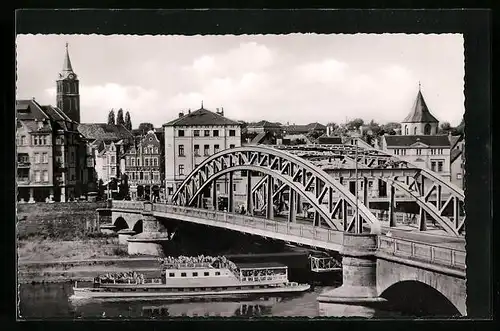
51 301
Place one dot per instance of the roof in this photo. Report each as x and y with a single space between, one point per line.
104 131
29 110
304 128
260 265
67 67
264 124
454 154
407 141
329 140
420 113
201 116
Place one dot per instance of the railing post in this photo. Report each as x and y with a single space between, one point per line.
452 258
432 254
412 249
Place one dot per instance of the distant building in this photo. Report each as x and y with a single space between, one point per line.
419 121
191 138
68 90
49 154
264 127
329 140
142 165
303 129
457 161
106 144
419 142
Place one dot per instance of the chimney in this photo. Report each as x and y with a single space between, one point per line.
181 114
189 111
222 111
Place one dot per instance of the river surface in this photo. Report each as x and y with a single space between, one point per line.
51 301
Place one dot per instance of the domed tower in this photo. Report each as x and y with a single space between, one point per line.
419 121
68 94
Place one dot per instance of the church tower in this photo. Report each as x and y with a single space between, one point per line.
419 121
68 94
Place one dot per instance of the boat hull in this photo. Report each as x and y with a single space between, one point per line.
88 293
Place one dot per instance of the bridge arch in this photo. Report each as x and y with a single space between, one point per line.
120 223
137 226
420 299
307 180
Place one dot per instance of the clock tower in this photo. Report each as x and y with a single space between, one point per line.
68 94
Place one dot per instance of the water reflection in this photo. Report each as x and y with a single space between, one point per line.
52 301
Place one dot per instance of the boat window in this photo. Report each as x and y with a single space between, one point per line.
183 274
217 273
195 274
205 273
171 274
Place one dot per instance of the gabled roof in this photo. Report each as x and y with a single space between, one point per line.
258 138
420 113
103 131
264 124
29 110
316 126
201 116
304 128
454 154
407 141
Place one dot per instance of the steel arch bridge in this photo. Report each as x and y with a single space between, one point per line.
307 174
433 194
281 171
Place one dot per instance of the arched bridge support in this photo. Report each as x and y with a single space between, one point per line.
151 240
359 273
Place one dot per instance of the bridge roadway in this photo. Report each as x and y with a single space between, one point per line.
436 250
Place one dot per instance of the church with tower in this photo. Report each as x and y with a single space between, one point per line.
68 94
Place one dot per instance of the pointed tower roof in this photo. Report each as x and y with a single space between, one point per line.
420 113
67 67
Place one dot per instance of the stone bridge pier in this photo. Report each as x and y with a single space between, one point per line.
359 275
150 241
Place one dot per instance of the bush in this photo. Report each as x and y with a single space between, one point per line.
120 251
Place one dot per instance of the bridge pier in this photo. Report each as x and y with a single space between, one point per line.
359 274
150 241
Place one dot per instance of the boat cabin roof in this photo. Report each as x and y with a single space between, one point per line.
261 265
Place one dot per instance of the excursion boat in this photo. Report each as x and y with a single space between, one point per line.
200 277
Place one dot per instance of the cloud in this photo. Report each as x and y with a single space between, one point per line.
325 72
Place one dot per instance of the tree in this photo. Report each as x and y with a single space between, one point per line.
374 127
389 128
123 189
145 127
355 124
460 129
119 117
128 122
111 117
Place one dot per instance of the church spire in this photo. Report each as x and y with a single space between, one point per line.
67 62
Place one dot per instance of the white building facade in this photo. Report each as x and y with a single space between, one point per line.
192 138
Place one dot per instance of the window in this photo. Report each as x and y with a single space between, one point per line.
146 176
415 130
232 146
181 169
396 151
181 150
156 150
216 148
232 133
155 176
403 152
459 176
22 158
216 133
37 175
37 158
138 162
195 274
112 158
45 158
217 273
145 150
23 140
146 161
440 166
433 165
206 150
35 140
196 133
113 171
44 140
406 129
419 151
171 274
218 187
205 273
155 161
196 150
181 133
133 161
183 274
45 176
234 187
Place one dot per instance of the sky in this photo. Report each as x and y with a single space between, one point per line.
295 78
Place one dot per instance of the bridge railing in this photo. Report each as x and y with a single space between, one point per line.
133 205
434 254
282 227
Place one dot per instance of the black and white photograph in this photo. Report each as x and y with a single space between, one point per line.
244 176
